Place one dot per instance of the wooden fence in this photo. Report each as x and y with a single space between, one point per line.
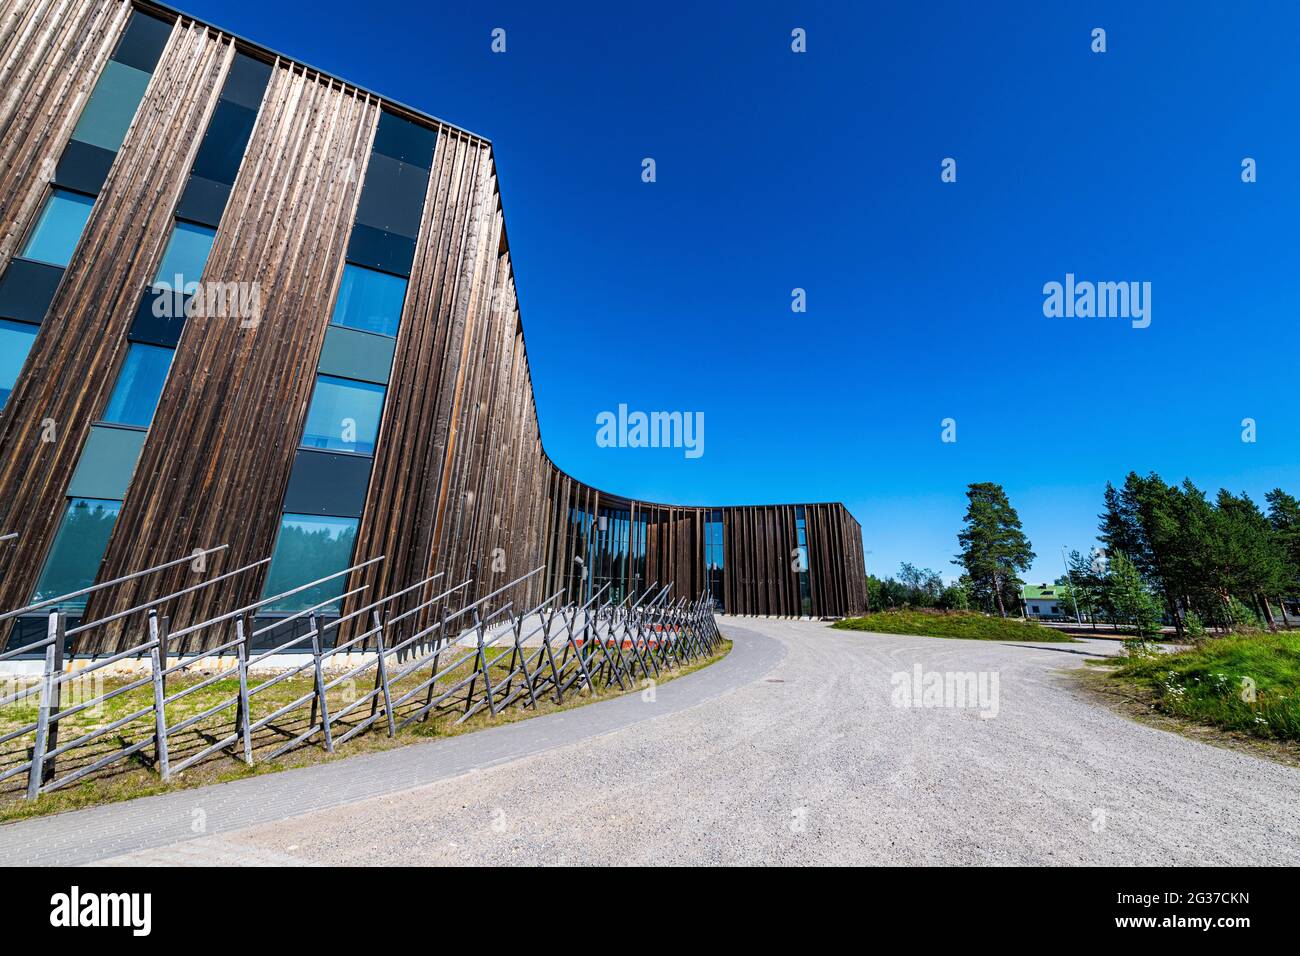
467 660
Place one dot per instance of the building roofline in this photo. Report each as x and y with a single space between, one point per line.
264 52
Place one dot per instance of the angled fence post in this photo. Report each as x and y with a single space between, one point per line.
523 664
37 773
381 675
243 718
320 687
483 669
158 649
438 645
615 669
56 701
514 655
550 655
568 621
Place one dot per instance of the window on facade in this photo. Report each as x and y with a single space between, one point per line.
805 589
310 547
16 340
577 551
344 415
224 143
369 300
713 557
111 106
78 549
135 396
58 228
186 255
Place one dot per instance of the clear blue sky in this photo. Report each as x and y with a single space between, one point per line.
821 171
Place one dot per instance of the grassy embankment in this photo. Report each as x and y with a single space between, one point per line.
967 625
1249 683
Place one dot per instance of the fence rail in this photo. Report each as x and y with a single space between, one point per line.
471 658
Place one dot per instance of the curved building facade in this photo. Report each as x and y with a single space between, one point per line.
245 303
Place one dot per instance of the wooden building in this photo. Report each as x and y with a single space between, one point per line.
244 302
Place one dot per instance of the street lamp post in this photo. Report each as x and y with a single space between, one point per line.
1078 618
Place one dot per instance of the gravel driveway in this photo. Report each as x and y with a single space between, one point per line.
794 750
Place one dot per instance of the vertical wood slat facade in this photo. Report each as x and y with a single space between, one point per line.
50 56
79 347
459 481
222 441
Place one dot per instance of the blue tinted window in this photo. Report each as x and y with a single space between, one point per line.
186 255
135 396
369 300
16 340
309 548
59 228
78 549
344 415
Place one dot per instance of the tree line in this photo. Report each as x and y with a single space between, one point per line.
1169 553
1223 562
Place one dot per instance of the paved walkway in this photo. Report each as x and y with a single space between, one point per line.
792 750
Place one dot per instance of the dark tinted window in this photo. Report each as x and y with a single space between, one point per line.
246 82
224 144
27 288
392 198
143 42
403 140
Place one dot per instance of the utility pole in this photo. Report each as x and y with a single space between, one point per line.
1069 574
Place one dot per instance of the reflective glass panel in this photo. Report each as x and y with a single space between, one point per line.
135 396
59 227
344 415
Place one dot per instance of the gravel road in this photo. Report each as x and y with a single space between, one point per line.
794 750
815 762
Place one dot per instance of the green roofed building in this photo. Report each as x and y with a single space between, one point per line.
1044 601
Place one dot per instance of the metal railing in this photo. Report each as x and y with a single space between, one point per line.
471 658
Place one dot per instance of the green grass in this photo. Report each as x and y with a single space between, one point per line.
1210 684
967 625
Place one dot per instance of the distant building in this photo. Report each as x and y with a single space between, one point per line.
1043 601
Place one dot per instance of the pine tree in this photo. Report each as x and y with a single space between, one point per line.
1253 558
1284 518
1120 531
1134 603
994 548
